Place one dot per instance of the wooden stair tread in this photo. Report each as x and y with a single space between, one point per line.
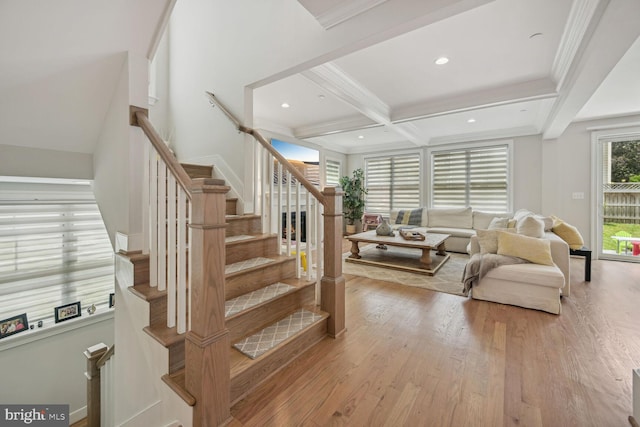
147 292
198 171
241 217
253 238
176 382
166 336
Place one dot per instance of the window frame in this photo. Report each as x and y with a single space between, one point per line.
469 146
392 155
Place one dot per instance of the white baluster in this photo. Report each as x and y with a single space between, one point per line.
182 262
172 243
298 229
162 226
153 219
279 219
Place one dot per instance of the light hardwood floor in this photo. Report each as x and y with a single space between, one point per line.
420 358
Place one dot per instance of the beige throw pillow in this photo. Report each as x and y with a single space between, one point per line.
532 249
488 239
530 226
498 223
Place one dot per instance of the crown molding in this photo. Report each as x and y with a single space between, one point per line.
504 95
581 15
344 11
483 136
336 126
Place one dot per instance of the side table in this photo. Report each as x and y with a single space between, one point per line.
586 253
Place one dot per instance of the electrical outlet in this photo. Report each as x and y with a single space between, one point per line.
578 195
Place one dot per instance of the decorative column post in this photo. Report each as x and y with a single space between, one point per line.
93 355
207 341
332 283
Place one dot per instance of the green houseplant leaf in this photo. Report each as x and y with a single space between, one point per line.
353 199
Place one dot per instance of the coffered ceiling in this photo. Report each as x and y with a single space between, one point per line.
516 67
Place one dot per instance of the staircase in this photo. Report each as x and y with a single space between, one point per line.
270 314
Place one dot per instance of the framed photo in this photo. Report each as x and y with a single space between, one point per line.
112 300
68 311
13 325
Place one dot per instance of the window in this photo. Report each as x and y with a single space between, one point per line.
332 173
477 177
54 249
393 183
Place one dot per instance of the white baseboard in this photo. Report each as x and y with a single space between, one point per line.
77 415
128 242
222 170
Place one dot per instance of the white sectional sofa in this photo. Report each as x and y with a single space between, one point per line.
459 223
528 285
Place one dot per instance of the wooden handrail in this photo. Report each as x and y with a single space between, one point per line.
262 140
105 357
139 118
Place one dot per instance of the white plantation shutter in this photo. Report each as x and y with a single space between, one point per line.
475 177
54 250
393 183
332 173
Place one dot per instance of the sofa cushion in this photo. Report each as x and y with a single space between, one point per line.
453 232
530 226
547 220
409 217
451 217
482 220
532 249
536 274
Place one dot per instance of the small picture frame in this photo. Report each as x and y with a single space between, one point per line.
14 325
68 311
112 300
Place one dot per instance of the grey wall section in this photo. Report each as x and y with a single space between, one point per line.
41 163
51 369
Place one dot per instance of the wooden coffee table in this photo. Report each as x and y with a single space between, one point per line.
423 262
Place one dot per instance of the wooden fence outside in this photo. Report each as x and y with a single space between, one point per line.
622 203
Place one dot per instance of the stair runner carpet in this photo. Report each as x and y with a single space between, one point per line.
246 264
254 298
261 342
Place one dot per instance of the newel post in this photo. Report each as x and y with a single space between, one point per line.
93 354
332 283
207 341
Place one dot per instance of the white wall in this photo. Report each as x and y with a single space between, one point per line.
51 370
229 47
568 169
37 162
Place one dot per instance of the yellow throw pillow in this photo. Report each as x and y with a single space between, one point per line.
569 234
532 249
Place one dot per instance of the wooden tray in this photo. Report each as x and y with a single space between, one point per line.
412 235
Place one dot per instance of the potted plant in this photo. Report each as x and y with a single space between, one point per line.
353 199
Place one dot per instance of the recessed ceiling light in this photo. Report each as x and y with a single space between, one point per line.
471 120
285 105
524 110
442 60
360 136
321 96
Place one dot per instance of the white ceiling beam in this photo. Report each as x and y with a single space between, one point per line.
336 81
335 126
611 31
